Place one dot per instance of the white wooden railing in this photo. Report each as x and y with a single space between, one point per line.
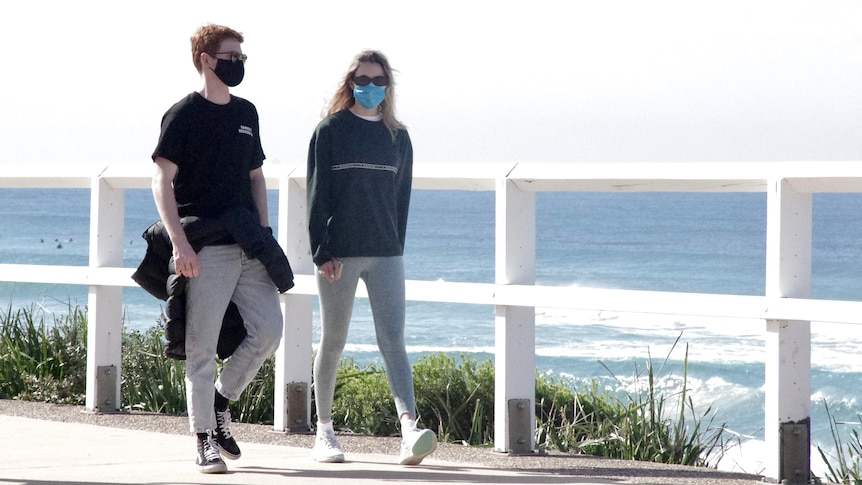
785 308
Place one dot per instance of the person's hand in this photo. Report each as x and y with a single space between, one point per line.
185 260
331 270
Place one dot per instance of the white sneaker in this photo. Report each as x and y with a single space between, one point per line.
326 449
416 444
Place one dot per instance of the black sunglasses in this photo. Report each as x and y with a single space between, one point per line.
377 80
234 56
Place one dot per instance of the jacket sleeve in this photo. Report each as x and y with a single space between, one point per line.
257 242
175 317
319 193
152 272
405 184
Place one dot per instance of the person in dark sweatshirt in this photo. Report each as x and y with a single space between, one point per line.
360 169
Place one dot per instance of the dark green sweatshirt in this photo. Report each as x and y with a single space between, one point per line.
358 181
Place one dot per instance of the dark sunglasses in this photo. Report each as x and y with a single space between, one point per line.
365 80
234 56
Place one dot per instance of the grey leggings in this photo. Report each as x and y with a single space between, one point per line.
384 279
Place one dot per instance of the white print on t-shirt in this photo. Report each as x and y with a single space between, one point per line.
246 130
367 166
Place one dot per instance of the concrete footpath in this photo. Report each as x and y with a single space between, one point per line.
63 445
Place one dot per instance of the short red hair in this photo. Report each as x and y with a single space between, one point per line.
208 39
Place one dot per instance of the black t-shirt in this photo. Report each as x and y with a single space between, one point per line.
215 147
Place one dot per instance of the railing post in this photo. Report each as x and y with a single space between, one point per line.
293 357
105 303
788 342
515 327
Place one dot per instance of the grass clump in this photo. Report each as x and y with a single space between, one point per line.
651 426
456 399
362 402
844 464
150 381
645 424
42 361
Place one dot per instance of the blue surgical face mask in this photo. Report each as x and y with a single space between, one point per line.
370 96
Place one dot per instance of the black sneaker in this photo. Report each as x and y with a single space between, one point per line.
222 436
208 459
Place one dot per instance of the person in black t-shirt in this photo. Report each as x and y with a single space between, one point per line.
360 171
208 162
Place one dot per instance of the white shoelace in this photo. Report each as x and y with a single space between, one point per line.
210 451
223 423
328 440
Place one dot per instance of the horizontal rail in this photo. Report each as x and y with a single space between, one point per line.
538 296
804 177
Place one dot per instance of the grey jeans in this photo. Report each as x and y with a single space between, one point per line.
226 274
384 279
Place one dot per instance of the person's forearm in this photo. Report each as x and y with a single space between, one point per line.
166 204
258 194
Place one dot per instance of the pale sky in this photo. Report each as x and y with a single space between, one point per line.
492 81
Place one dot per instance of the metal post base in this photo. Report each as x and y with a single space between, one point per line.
520 432
297 408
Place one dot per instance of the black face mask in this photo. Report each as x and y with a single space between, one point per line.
230 72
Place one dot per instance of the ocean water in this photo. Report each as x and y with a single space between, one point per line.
711 243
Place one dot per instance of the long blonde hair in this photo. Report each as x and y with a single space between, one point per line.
343 97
